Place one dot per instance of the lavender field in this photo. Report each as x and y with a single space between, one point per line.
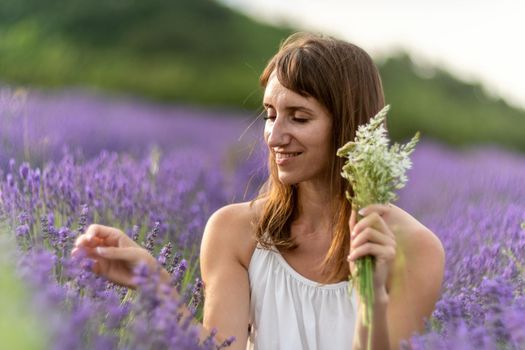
157 172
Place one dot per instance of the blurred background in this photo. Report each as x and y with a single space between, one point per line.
170 88
71 68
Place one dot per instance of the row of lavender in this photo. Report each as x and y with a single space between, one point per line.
474 201
156 172
164 211
36 126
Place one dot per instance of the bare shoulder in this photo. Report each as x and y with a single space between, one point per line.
226 249
414 236
421 249
231 230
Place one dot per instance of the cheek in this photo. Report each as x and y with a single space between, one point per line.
324 142
266 133
266 136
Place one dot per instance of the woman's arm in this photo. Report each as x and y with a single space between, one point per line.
415 285
116 256
227 290
226 283
407 277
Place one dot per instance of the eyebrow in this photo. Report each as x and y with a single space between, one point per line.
290 108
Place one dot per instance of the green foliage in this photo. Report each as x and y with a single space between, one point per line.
192 51
201 52
19 328
442 107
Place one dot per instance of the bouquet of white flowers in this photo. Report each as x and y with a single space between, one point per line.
374 171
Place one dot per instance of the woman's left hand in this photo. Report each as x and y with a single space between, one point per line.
372 236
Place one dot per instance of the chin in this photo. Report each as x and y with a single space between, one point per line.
288 180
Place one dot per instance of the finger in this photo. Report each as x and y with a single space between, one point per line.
378 251
84 252
371 235
109 234
78 252
117 253
88 241
80 239
96 267
353 220
375 221
380 209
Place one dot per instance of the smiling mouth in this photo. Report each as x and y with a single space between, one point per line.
280 156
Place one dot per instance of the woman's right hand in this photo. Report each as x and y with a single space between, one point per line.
115 254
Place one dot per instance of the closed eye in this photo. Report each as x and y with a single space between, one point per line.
294 119
270 113
300 120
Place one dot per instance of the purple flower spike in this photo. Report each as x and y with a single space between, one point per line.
83 219
165 254
176 260
196 297
135 233
22 231
152 237
24 171
10 180
229 341
178 273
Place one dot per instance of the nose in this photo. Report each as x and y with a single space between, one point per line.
277 133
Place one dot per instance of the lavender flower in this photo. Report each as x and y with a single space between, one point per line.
165 254
83 219
135 233
178 274
152 237
197 296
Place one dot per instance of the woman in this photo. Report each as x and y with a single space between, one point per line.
276 269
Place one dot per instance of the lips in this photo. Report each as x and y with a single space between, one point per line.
279 156
283 158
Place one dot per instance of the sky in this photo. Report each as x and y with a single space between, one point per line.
477 41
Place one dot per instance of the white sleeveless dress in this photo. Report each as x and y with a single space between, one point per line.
290 312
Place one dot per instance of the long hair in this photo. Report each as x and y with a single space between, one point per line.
344 79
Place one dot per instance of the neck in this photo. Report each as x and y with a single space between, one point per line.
314 205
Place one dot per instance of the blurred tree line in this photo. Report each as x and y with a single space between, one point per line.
201 52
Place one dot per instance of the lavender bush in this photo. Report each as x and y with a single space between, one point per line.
161 193
37 126
164 211
475 202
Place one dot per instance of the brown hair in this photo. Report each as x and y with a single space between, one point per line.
344 79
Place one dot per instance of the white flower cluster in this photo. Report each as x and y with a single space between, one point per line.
373 169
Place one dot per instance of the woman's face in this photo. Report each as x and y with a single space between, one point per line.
297 131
